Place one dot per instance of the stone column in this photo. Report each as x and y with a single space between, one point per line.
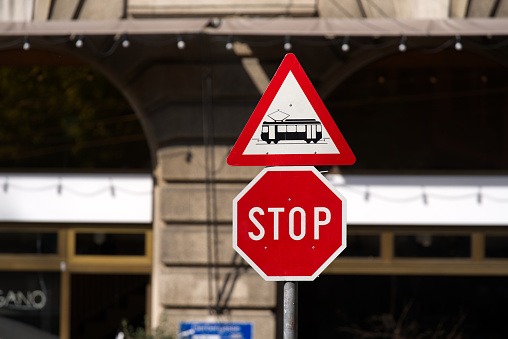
198 275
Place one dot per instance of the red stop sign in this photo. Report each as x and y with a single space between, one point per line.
289 223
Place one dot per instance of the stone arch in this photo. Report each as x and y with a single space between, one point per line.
361 58
443 112
66 51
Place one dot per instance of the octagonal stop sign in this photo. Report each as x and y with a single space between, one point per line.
289 223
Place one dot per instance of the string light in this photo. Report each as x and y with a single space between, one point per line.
180 43
424 197
125 42
59 186
368 195
79 42
229 44
345 44
458 44
26 44
402 44
455 42
287 44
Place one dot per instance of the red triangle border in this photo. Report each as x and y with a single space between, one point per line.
236 156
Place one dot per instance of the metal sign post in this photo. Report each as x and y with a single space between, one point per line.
290 310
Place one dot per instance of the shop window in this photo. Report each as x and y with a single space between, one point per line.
28 243
496 246
110 244
29 304
432 246
362 246
109 250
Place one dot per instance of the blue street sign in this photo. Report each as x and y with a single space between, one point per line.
197 330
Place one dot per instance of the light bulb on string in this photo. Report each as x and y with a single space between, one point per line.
59 186
402 44
180 43
125 42
79 42
345 45
26 44
229 44
287 45
458 44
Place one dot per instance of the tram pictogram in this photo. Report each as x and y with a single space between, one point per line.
308 130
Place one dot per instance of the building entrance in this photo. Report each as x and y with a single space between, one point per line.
368 306
101 302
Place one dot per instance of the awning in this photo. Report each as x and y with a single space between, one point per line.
84 198
362 27
104 27
281 26
462 200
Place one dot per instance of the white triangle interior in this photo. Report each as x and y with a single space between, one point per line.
291 100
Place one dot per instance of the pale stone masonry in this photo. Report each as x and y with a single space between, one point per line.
187 287
222 7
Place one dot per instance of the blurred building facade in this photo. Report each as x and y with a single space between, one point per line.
417 88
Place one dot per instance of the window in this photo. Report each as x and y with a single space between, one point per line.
362 246
110 244
496 246
432 246
31 298
28 243
281 128
110 249
300 128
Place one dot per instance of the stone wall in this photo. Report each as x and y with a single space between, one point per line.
117 9
221 7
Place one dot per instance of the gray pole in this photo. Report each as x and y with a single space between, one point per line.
290 310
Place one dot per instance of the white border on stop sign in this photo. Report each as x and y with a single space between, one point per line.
328 261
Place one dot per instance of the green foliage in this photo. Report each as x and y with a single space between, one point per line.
66 116
405 326
132 332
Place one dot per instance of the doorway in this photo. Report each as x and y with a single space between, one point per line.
398 306
100 302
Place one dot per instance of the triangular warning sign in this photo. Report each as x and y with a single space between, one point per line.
290 126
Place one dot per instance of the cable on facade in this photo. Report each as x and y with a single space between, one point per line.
60 187
425 196
210 184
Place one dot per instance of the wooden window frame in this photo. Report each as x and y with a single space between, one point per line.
66 262
388 264
30 261
85 263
